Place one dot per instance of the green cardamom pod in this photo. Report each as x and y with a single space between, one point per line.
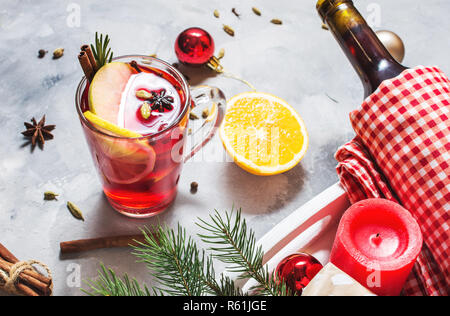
277 21
144 95
205 113
228 30
146 110
256 11
193 116
50 196
58 53
75 211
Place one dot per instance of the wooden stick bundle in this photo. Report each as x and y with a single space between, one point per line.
29 282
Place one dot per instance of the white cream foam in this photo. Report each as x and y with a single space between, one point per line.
130 104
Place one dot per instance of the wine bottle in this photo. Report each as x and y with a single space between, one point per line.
371 60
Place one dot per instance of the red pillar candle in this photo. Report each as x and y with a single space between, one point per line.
377 244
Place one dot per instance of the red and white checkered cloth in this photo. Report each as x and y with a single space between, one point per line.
402 153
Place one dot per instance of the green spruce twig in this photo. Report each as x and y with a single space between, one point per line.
102 53
108 284
225 286
234 244
181 268
174 260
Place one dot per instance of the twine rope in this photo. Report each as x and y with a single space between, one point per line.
8 282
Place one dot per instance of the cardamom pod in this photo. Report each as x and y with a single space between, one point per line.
256 11
50 196
216 13
58 53
75 211
276 21
205 113
144 95
228 30
193 116
146 110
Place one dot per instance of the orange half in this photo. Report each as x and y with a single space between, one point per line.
263 133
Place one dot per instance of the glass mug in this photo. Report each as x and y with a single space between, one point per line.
140 175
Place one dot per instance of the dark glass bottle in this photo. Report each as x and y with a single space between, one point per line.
369 57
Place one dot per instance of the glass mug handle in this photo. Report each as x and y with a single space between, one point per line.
211 99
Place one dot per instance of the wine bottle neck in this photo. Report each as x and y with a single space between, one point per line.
369 57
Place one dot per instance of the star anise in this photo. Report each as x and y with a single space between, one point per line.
160 101
38 132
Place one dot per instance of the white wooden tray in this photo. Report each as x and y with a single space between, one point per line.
311 229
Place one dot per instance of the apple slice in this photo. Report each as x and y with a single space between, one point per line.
106 89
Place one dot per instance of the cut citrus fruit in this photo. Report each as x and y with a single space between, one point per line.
263 133
122 160
126 162
106 125
105 91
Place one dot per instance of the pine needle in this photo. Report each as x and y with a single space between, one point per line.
174 260
102 53
108 284
182 269
233 243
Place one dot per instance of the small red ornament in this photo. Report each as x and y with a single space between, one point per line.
297 271
194 47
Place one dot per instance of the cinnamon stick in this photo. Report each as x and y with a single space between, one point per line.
31 278
7 256
25 290
83 245
27 278
22 288
39 278
90 54
86 65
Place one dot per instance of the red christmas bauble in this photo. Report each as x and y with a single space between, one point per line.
297 271
194 47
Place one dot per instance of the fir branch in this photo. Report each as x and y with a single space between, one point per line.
233 243
102 53
108 284
182 269
224 287
174 260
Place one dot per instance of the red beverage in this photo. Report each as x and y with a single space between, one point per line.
140 174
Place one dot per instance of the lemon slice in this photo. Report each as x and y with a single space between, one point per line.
263 133
126 162
104 124
122 160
